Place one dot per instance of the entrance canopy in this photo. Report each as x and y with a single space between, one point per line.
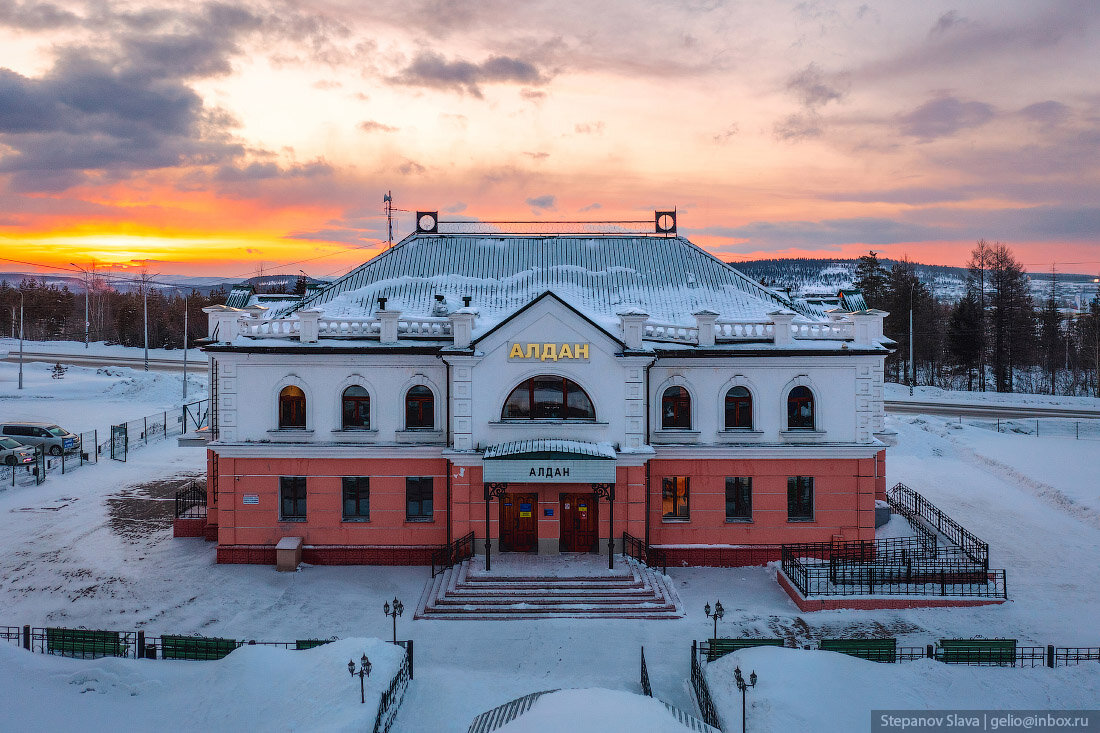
549 460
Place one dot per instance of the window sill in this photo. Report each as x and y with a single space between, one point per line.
419 520
355 520
292 519
802 436
738 521
808 520
675 520
418 436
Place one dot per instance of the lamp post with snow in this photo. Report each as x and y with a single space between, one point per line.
718 613
743 686
396 610
363 671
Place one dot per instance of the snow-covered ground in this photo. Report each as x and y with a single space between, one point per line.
92 398
97 348
799 690
94 549
900 393
254 688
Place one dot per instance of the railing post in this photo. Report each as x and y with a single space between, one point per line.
409 650
943 583
929 652
1050 655
693 646
141 645
27 637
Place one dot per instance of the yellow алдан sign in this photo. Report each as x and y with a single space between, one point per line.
548 352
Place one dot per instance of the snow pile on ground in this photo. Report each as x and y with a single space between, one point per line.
825 691
595 710
88 398
254 688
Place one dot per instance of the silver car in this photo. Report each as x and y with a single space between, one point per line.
54 440
14 453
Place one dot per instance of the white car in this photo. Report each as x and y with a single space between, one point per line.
14 453
54 440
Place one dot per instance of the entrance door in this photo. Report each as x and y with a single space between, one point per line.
519 522
579 523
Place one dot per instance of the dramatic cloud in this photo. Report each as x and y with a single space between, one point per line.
812 88
1047 114
430 69
943 117
375 126
33 16
538 203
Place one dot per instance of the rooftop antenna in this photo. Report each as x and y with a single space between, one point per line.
387 199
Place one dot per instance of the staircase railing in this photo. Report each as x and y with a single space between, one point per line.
446 556
643 553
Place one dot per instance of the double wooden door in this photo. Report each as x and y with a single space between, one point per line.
519 522
579 523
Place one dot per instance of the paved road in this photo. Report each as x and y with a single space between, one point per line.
164 365
993 411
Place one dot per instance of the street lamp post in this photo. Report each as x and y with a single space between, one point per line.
718 613
363 671
185 350
20 338
743 686
394 611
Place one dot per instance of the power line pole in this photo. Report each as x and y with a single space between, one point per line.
87 286
20 338
145 309
185 348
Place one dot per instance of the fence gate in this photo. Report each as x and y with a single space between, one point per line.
119 442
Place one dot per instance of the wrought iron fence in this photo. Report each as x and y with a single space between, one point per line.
646 554
647 688
395 693
702 691
916 509
191 502
942 579
446 556
1067 655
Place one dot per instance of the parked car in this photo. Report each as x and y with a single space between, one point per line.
54 440
14 453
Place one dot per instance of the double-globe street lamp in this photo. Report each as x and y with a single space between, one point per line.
718 613
363 671
743 686
394 611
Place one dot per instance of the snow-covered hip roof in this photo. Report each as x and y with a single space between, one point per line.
600 275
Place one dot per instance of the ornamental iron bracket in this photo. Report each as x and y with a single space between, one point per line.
604 491
495 490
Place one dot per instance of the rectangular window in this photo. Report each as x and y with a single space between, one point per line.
738 499
356 498
418 498
674 495
292 498
800 498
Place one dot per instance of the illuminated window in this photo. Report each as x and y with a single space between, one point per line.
676 409
738 409
674 496
292 408
548 397
800 409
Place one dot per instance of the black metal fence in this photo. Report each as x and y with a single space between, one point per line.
919 510
191 502
978 652
923 579
446 556
702 691
647 688
26 474
395 692
646 554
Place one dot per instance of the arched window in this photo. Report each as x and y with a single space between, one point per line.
548 397
800 409
676 408
356 408
738 409
292 407
419 408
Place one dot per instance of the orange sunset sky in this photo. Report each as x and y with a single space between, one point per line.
232 138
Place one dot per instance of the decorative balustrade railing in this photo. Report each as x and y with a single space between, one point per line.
834 331
669 332
424 327
275 328
914 507
349 328
744 331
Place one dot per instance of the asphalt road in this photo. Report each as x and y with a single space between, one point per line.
163 365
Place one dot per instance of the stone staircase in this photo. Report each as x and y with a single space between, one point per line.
464 591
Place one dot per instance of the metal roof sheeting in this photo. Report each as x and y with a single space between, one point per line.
550 445
667 277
